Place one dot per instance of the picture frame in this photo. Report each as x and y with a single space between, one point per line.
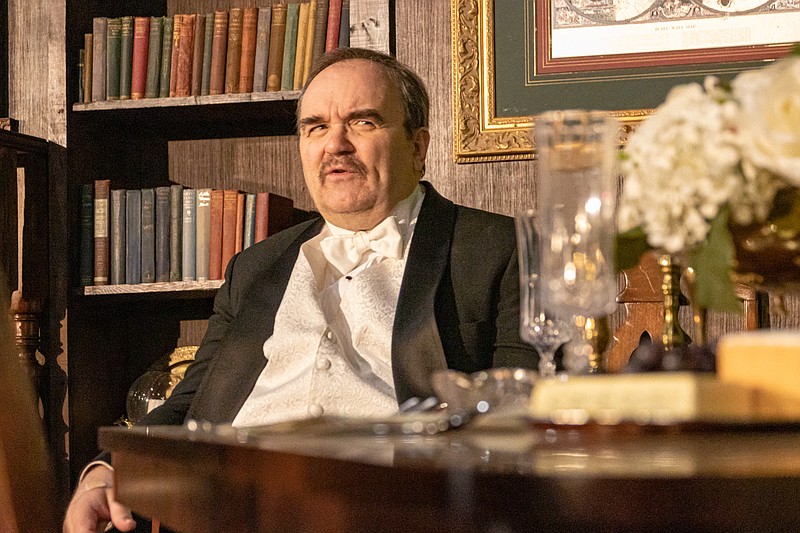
499 87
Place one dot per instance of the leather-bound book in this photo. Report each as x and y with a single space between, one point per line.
86 272
249 236
99 31
117 231
290 46
320 29
189 255
133 236
176 232
208 41
273 214
81 67
219 47
162 229
101 195
203 236
262 49
88 75
247 62
344 25
215 238
197 53
239 237
183 85
277 34
303 36
334 18
308 54
177 24
154 57
113 50
229 202
166 57
148 253
234 53
125 57
141 43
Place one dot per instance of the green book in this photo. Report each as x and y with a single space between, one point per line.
205 84
166 58
154 57
113 45
290 46
125 57
87 235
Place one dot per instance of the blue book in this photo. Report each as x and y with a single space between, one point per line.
133 236
148 236
189 234
162 234
117 232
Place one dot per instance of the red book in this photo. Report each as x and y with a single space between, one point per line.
334 18
183 85
229 202
273 214
141 44
240 197
247 62
215 238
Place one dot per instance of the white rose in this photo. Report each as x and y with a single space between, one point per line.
769 127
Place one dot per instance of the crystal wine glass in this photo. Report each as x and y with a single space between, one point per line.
542 326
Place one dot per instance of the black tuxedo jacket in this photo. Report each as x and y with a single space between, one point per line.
458 308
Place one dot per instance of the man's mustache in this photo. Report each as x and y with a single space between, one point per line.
349 163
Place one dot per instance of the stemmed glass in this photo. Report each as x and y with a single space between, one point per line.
542 326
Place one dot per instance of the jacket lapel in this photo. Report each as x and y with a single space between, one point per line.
416 345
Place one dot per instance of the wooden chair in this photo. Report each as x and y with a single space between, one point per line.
27 498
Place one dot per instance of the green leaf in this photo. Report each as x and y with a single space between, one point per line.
629 248
712 264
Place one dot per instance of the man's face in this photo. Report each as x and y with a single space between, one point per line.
358 159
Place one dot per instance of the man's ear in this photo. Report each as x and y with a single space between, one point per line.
421 139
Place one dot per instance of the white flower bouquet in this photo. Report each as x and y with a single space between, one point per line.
709 157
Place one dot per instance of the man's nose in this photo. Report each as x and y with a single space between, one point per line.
338 140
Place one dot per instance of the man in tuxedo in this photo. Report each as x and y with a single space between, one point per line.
348 314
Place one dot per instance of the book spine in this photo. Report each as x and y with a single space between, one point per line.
148 253
188 265
197 53
133 236
125 57
247 63
141 41
344 25
216 221
239 236
308 54
277 34
154 57
262 214
81 66
290 46
177 24
183 86
202 238
113 51
302 36
99 35
162 230
88 75
176 233
86 268
234 55
117 237
262 49
166 58
332 31
219 47
320 29
208 42
230 199
249 236
101 194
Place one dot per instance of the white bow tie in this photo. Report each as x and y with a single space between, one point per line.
344 251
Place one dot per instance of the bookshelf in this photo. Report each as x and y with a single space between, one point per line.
115 332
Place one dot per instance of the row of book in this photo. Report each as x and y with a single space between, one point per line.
242 50
171 233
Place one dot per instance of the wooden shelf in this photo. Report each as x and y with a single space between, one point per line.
216 99
148 288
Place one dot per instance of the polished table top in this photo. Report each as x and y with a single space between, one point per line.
501 475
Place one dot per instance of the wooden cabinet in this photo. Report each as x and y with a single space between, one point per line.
227 141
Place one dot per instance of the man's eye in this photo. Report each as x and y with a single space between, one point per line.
315 129
363 123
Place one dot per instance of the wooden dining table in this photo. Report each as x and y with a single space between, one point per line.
504 475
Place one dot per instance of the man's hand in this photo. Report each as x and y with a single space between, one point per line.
93 505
